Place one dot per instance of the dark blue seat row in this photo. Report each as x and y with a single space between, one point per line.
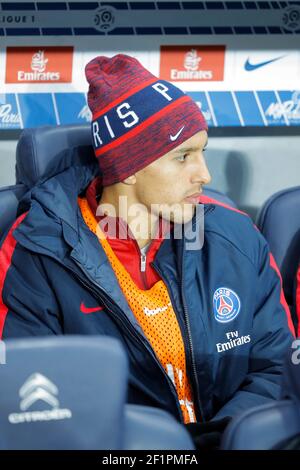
69 392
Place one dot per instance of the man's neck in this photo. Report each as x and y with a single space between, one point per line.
142 224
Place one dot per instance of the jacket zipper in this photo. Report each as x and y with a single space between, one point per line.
134 333
143 261
187 322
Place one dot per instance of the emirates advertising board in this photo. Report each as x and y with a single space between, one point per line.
239 61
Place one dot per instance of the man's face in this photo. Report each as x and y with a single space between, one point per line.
169 180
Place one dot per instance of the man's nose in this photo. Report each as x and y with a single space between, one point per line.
201 174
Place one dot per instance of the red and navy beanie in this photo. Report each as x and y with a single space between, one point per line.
137 117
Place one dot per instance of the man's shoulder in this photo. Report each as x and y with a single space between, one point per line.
234 227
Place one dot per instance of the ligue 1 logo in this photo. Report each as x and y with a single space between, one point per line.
291 18
104 19
226 305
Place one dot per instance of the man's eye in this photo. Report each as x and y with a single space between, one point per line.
182 158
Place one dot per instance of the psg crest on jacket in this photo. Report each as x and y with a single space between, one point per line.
226 305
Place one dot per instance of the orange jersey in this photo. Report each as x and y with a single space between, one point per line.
153 310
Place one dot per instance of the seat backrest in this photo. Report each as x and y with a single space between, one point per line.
262 427
69 392
64 392
42 153
153 428
45 151
270 426
9 201
279 222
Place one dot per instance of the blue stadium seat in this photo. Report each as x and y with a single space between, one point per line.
46 151
146 427
262 427
274 425
279 222
9 201
69 392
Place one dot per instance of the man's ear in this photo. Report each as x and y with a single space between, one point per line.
130 180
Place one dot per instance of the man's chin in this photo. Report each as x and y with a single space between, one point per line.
181 215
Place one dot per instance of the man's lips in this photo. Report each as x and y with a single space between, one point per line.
194 198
